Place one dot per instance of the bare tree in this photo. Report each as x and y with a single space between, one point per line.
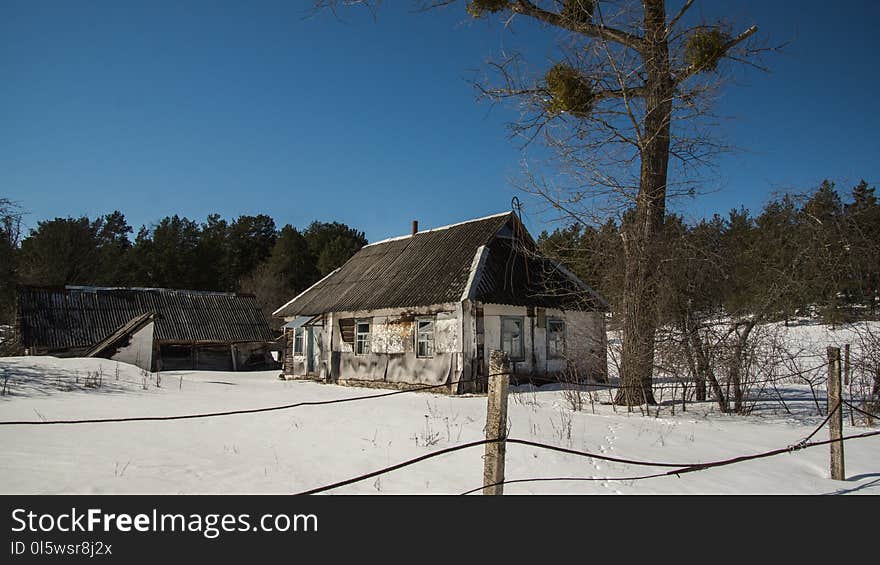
866 366
627 71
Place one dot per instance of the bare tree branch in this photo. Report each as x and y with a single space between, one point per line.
527 8
678 16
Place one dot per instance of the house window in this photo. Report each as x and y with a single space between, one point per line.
425 337
362 337
298 341
512 337
555 339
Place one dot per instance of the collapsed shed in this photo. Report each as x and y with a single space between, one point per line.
153 328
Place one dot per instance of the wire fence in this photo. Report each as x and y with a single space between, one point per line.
586 387
676 469
420 388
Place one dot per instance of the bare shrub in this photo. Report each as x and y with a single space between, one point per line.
572 388
427 436
562 427
864 387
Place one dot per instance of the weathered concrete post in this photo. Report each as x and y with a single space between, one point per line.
496 422
835 423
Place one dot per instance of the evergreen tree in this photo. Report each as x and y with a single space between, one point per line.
777 260
821 233
61 251
164 256
250 242
211 264
113 249
862 226
332 244
292 261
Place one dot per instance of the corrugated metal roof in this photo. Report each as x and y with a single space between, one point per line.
430 267
433 267
73 317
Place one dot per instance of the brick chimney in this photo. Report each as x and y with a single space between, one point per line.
415 227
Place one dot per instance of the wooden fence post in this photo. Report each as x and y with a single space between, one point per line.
835 423
496 422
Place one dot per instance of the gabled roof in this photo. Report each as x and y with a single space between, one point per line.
81 317
491 259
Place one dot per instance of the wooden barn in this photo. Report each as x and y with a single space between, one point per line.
428 307
153 328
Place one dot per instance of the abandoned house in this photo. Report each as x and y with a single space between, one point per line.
153 328
427 309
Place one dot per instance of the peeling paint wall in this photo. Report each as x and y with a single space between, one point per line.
585 341
460 332
392 334
492 315
392 358
447 332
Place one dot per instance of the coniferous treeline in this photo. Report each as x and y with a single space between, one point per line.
248 254
802 255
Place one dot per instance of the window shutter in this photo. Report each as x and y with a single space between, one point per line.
346 329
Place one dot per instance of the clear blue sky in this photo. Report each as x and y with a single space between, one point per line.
193 107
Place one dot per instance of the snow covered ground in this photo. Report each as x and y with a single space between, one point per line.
293 450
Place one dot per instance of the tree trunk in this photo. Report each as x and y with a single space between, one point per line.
736 367
703 372
696 359
641 238
875 391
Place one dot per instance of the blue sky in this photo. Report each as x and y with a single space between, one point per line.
193 107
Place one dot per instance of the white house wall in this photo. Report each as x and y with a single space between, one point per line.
585 344
392 358
492 315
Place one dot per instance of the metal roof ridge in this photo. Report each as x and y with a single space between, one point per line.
440 228
152 288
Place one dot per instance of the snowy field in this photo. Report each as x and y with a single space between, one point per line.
298 449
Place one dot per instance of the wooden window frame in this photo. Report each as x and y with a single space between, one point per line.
357 334
522 337
559 354
418 334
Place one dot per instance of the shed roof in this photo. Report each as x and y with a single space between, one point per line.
444 265
74 317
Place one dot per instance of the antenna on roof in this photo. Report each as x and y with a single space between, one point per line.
516 206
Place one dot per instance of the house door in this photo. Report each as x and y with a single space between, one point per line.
313 349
